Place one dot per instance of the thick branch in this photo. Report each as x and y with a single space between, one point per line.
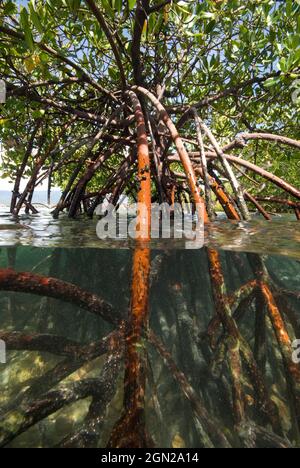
141 15
30 283
53 344
183 154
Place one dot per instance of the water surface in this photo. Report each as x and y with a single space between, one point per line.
279 237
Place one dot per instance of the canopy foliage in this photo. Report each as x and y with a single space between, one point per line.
67 65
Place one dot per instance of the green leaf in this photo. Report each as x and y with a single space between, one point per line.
118 5
295 41
24 20
211 25
108 9
74 5
270 82
284 64
297 58
207 15
35 19
9 8
131 4
38 113
289 7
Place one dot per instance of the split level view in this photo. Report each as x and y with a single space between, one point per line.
149 224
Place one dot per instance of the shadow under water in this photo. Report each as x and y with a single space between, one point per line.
219 362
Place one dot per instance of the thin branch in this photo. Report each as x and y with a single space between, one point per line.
252 167
263 136
101 20
229 172
62 58
206 177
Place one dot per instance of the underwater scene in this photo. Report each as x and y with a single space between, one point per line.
217 364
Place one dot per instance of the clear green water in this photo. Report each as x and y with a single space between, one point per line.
181 309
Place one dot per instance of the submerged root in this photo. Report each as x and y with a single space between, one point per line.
240 363
21 419
30 283
89 434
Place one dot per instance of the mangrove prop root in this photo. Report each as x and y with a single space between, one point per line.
221 195
43 343
279 182
205 175
29 412
277 321
256 436
223 310
292 370
88 435
257 205
285 346
260 347
23 165
241 347
289 312
294 191
234 301
25 282
22 418
212 432
63 369
263 400
237 189
242 293
130 431
183 154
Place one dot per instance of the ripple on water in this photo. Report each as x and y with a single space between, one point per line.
279 237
